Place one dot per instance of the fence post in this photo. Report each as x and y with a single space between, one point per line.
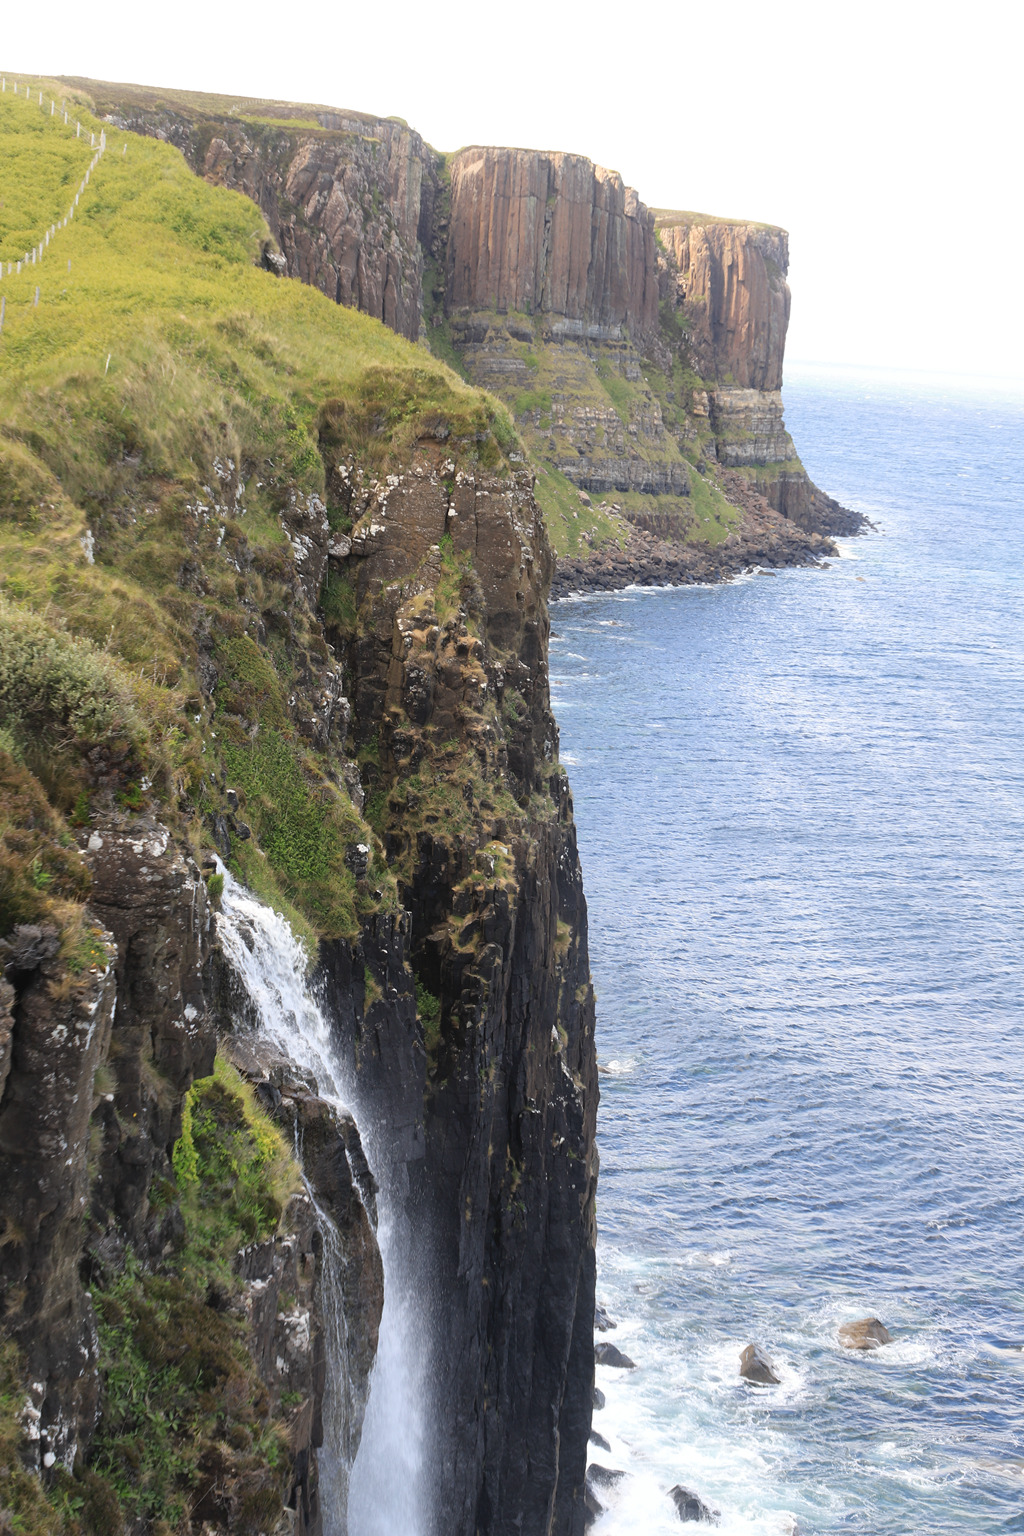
3 301
35 301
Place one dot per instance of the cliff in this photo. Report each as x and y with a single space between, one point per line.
552 235
274 590
638 350
348 198
730 281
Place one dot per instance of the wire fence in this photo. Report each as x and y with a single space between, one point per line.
36 254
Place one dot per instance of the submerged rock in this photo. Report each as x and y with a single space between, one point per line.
607 1354
599 1398
865 1333
756 1366
602 1322
689 1506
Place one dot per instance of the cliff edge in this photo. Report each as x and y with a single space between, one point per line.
639 350
274 593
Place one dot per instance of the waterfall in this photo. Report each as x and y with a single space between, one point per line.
381 1493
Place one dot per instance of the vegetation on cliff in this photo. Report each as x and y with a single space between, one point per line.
185 1416
159 459
190 452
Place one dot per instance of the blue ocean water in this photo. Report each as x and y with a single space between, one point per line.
800 805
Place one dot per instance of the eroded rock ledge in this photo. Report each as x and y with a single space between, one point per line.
763 538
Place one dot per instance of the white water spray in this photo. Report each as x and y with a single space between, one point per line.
383 1490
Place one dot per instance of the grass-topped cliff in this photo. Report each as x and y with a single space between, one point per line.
160 411
272 583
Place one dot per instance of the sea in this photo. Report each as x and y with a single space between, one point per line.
800 806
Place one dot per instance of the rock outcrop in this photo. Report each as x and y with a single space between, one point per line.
690 1506
95 1065
349 198
509 255
730 279
552 235
763 537
611 1355
755 1366
58 1031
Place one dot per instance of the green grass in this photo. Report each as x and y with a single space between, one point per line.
303 824
715 516
668 218
43 165
165 360
568 520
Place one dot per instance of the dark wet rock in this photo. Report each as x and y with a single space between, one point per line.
358 859
604 1477
599 1398
865 1333
28 948
602 1322
607 1354
689 1506
592 1507
599 1441
756 1366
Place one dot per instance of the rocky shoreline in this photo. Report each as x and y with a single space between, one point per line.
763 537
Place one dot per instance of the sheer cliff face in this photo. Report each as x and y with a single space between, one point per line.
732 281
550 234
485 1106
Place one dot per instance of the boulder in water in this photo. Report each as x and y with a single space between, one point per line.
689 1506
607 1354
599 1440
603 1477
866 1333
755 1366
599 1398
602 1322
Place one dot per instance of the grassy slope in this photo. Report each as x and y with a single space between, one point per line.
212 363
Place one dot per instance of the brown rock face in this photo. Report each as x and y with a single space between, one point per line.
732 279
551 234
57 1033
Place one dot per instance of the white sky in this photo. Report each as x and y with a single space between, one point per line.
886 137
